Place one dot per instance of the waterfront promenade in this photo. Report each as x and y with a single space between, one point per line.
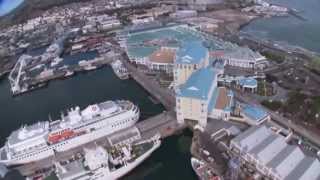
164 96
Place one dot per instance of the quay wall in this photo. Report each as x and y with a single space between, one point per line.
165 96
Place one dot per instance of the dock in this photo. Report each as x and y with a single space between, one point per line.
164 123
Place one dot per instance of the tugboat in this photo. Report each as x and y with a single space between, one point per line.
100 163
120 70
203 170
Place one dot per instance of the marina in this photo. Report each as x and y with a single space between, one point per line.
150 127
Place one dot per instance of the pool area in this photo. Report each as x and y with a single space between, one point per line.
6 6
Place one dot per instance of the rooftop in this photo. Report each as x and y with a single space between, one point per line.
244 54
224 98
248 82
191 53
199 84
254 112
189 43
272 150
221 99
163 55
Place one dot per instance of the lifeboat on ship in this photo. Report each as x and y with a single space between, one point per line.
60 136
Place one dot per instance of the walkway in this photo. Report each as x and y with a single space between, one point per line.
165 96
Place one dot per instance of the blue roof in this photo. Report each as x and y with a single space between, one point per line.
137 52
191 52
213 100
218 63
198 85
248 82
254 112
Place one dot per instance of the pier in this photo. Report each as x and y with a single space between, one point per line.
164 123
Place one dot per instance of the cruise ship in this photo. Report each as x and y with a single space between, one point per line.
44 139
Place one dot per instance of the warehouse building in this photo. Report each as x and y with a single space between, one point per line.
244 57
272 157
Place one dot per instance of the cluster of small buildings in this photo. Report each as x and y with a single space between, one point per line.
99 23
42 30
150 14
263 7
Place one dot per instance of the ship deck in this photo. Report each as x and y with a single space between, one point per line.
138 150
71 169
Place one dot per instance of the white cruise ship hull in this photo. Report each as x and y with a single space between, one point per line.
100 131
103 174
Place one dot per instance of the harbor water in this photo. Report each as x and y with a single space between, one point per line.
304 33
170 161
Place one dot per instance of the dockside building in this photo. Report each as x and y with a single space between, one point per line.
271 155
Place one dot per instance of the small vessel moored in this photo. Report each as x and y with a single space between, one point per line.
101 163
120 70
203 171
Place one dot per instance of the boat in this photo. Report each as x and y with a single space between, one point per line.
90 68
100 163
120 70
69 73
203 170
44 139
